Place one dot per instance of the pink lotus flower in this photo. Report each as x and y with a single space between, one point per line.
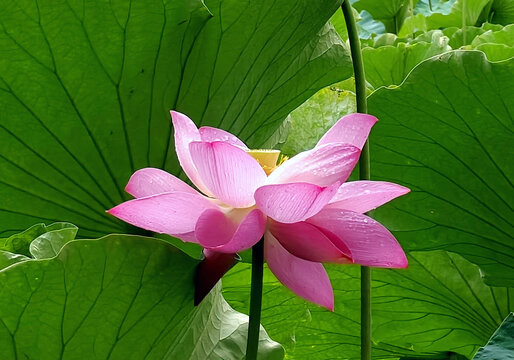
303 208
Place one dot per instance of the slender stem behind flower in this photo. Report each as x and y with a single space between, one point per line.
252 343
364 168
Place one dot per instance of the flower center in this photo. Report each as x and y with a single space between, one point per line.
267 159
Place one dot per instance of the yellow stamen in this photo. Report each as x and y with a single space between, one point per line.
268 159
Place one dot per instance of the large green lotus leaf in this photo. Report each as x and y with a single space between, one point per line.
437 308
501 344
447 133
119 297
85 90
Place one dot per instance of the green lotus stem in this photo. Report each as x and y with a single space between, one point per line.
252 343
364 169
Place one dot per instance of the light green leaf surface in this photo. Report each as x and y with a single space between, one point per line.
38 241
496 52
367 27
20 243
447 133
389 65
86 87
49 244
315 117
503 36
501 344
429 7
497 45
8 258
456 35
119 297
391 13
438 306
472 10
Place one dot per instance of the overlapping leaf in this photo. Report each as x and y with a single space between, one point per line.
389 65
390 13
119 297
501 344
497 45
85 90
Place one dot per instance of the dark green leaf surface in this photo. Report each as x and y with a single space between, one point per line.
447 133
85 90
438 306
501 344
119 297
499 12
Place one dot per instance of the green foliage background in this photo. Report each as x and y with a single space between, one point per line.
85 90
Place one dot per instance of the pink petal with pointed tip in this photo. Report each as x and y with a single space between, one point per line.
228 172
370 243
151 181
363 196
170 213
289 203
218 232
306 279
322 165
185 133
210 134
351 129
306 241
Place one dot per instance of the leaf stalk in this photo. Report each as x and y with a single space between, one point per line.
364 169
252 342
